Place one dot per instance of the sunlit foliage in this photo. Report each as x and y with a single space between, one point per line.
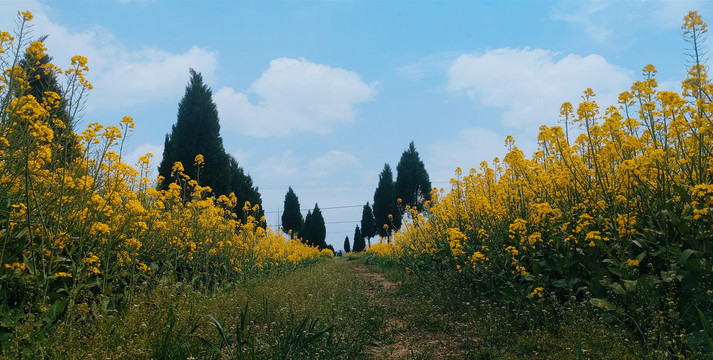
94 228
615 208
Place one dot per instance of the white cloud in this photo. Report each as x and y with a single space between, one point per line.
608 22
289 168
466 150
670 13
586 15
431 65
149 75
242 155
532 84
294 95
122 76
281 166
331 162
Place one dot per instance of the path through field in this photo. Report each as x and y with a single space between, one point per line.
413 329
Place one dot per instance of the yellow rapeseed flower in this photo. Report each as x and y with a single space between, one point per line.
26 15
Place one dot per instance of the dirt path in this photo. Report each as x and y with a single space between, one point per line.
410 330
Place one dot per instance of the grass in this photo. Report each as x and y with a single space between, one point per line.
328 311
317 312
437 321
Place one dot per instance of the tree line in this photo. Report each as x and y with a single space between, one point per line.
197 132
412 188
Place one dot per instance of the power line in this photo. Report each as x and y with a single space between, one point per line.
327 186
340 207
324 208
315 186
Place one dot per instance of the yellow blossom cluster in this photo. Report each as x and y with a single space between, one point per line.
605 193
79 219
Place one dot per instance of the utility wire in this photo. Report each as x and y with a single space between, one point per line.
324 208
323 186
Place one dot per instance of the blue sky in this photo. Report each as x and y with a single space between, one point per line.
318 95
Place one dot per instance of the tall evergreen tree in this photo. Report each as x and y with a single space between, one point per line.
318 229
368 229
65 144
306 232
359 244
241 185
412 183
385 204
292 220
197 131
346 244
314 232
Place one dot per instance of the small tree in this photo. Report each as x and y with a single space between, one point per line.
314 232
368 229
346 245
385 205
292 221
412 185
319 230
306 231
358 240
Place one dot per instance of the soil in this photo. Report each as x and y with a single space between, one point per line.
400 337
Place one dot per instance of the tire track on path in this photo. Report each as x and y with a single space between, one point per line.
402 335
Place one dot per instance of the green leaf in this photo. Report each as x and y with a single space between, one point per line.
30 265
641 256
602 303
57 309
618 289
20 234
614 271
536 268
630 285
706 327
686 254
574 281
561 283
669 276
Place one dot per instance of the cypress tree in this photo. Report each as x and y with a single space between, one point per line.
358 240
346 245
64 146
306 232
197 131
314 232
412 185
292 220
318 229
241 185
368 229
385 204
